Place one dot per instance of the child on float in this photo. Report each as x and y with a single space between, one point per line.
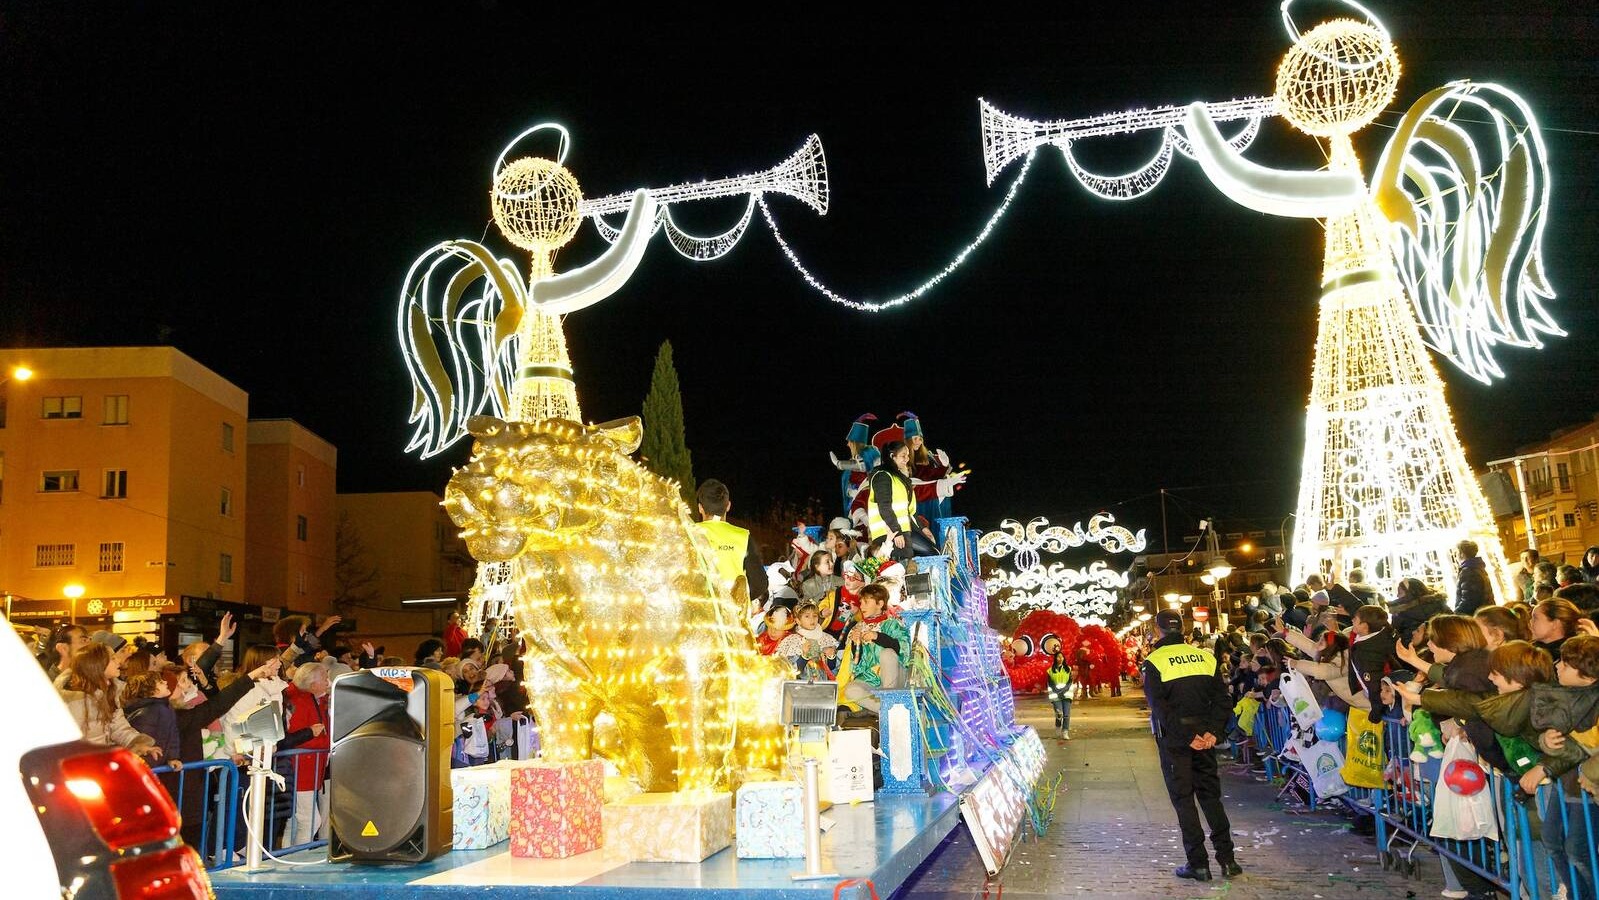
820 577
876 643
809 647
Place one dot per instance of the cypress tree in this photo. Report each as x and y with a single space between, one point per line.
664 449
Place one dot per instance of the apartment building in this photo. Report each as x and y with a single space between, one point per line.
417 555
1559 479
293 516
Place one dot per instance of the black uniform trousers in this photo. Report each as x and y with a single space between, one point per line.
1190 775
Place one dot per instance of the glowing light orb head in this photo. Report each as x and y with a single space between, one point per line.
535 204
1337 77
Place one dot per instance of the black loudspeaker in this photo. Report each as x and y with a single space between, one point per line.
389 797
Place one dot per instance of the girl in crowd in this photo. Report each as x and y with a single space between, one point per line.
89 693
820 577
811 650
1500 625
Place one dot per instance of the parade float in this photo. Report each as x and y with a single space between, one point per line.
655 708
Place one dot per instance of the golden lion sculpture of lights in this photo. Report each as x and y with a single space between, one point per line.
635 652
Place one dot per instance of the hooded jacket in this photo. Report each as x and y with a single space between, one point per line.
1472 588
1405 615
1570 711
153 716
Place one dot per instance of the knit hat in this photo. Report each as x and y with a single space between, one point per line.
860 432
496 673
1169 620
842 526
911 424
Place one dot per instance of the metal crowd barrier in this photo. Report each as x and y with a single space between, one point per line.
1517 862
213 790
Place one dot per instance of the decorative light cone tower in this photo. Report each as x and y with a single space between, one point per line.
1385 485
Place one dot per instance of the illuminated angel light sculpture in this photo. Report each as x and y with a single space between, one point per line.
1088 594
1443 251
584 553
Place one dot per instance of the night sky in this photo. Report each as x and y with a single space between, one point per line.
250 185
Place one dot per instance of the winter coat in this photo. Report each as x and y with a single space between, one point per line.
1466 689
1370 658
1367 595
1342 598
1570 711
1473 591
1468 671
154 716
1186 706
817 586
192 721
300 711
97 730
454 637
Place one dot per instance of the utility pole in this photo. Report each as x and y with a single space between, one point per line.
1165 541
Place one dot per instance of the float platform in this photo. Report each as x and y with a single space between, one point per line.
885 841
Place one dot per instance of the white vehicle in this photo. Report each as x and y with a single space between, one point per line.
82 821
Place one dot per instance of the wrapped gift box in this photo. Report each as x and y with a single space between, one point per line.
555 808
482 806
669 827
771 820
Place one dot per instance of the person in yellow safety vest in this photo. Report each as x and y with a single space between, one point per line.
734 548
1060 692
1188 707
891 508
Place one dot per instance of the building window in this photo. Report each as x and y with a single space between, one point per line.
116 484
299 471
59 481
2 410
1563 474
54 556
62 408
299 582
227 436
111 556
227 502
301 527
1571 520
225 569
116 409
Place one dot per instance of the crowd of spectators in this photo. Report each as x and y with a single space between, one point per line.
1516 681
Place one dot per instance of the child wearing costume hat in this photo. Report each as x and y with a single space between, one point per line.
778 624
810 648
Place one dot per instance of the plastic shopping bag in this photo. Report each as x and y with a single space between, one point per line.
1322 761
1363 756
1300 699
1462 817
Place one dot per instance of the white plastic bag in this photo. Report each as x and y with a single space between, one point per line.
1300 700
1322 761
1458 816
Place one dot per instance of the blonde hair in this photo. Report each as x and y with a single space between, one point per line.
1457 634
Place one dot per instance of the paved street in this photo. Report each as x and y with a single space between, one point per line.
1115 835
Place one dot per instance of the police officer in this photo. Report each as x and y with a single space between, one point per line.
1188 708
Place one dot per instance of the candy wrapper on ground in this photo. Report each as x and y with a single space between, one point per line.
771 820
482 806
555 808
677 827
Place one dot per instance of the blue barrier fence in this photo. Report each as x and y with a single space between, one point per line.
1538 843
210 797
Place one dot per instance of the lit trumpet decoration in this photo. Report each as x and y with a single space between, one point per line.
636 651
1444 250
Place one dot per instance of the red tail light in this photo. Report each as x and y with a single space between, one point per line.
122 800
169 875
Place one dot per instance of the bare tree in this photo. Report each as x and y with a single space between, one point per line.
355 577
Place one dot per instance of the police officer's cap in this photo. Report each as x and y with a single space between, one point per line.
1168 621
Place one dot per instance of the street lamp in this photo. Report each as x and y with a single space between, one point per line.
1174 598
72 593
21 373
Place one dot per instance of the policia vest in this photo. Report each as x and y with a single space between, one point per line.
1181 661
730 544
902 502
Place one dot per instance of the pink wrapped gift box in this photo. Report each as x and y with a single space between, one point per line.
684 827
555 808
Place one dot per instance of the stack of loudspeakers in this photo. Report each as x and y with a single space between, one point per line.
389 797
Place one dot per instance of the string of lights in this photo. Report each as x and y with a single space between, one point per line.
924 287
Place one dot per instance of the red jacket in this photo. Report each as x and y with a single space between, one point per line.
454 636
301 711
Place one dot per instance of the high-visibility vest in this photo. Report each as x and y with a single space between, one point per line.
1060 681
730 544
1176 661
902 501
